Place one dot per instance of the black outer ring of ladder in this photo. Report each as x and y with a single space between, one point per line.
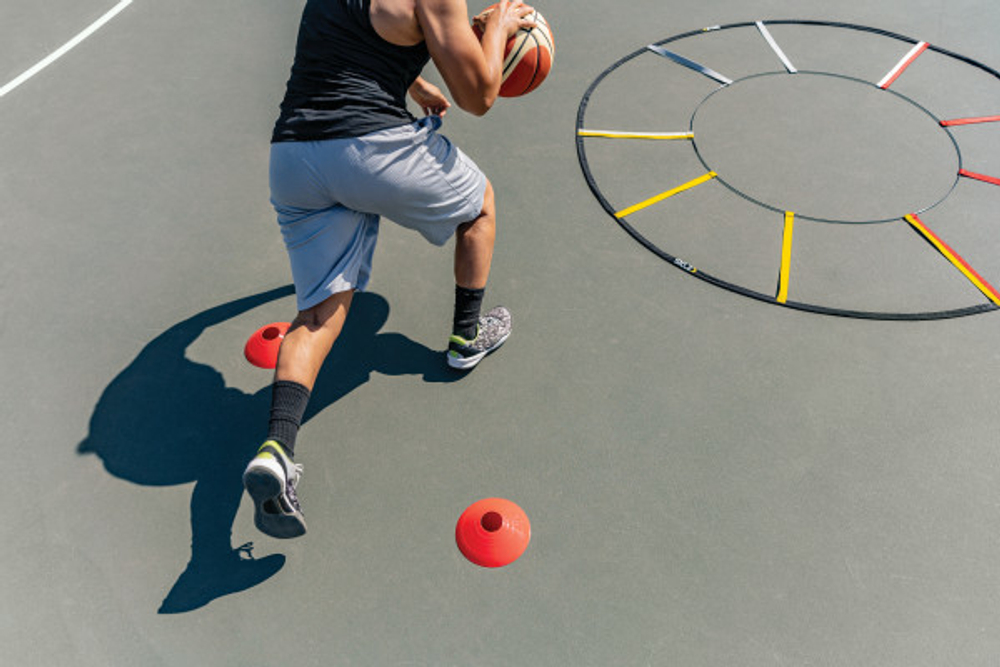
732 287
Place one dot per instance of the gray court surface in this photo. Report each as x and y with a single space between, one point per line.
711 479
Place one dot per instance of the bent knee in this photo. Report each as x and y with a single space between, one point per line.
486 218
489 203
323 314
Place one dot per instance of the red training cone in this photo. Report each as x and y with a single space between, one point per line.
262 348
493 532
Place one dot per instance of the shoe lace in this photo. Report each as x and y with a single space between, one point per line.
292 482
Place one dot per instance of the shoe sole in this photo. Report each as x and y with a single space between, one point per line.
468 363
264 487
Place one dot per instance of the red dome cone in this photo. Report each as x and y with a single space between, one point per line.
493 532
262 348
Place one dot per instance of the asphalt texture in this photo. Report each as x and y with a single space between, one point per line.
711 478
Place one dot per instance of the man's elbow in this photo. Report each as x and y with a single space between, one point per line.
480 110
477 105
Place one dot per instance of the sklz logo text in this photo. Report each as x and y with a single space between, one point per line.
684 265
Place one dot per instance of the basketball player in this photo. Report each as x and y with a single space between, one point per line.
345 151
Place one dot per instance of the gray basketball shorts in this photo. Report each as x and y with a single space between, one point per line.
330 195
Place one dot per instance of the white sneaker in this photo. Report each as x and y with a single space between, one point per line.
270 479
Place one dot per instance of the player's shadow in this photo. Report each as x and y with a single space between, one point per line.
167 420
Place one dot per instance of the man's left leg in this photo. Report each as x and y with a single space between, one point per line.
272 475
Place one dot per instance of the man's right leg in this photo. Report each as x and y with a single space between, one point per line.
474 245
473 337
272 475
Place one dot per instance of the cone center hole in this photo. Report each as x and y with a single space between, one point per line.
271 333
492 521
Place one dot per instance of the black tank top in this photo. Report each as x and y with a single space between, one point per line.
346 80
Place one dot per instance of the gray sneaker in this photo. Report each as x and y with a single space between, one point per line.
492 331
270 479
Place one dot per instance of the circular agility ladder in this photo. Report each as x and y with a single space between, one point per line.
780 296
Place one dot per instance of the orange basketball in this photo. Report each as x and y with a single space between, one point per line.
527 57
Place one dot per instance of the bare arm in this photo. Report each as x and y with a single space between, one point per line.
470 68
429 97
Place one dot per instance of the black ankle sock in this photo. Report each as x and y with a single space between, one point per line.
468 303
288 405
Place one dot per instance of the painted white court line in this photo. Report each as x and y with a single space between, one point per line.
65 48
